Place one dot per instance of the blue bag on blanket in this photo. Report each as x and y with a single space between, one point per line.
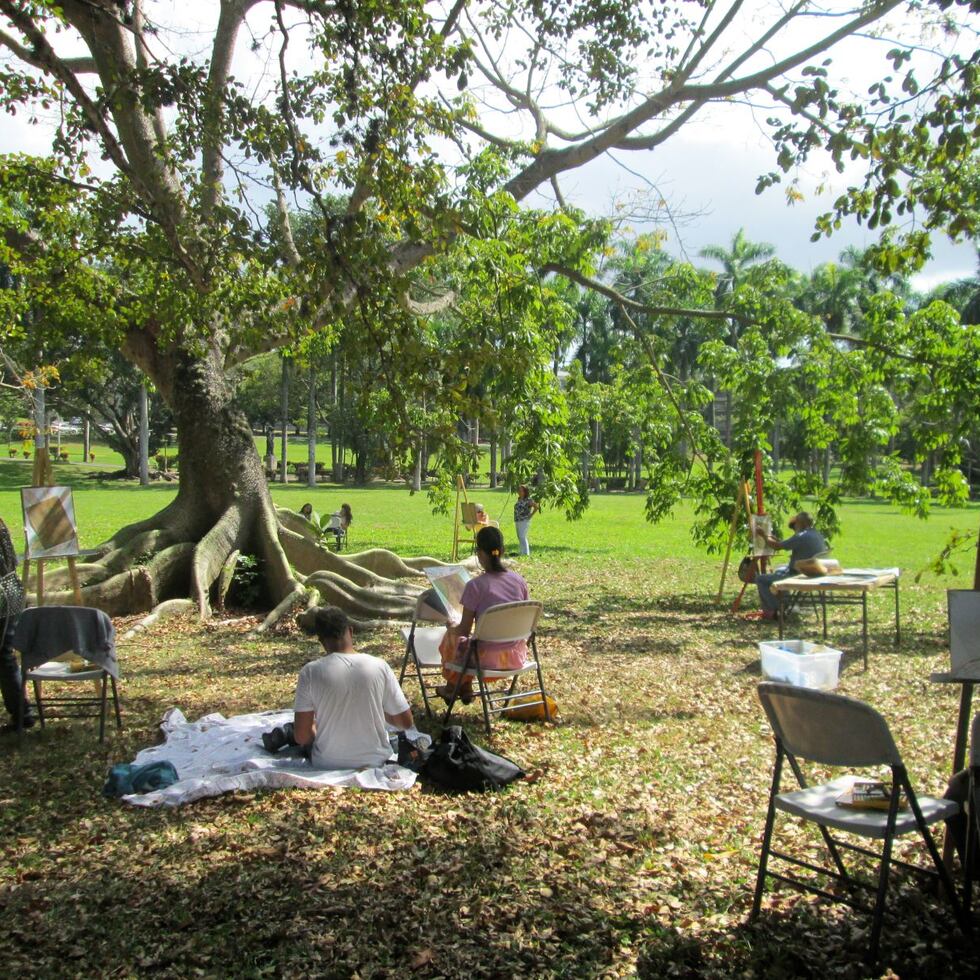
125 778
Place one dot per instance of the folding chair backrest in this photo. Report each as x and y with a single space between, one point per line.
975 742
964 629
508 622
424 613
467 512
828 728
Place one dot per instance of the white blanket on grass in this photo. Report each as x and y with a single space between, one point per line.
216 755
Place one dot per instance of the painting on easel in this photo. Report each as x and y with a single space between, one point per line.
760 527
49 522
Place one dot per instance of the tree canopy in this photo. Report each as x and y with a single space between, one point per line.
433 125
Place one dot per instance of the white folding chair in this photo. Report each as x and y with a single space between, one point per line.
422 649
507 623
833 730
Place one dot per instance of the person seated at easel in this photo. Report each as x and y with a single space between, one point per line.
339 522
805 542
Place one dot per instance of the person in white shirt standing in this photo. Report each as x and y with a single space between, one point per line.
344 698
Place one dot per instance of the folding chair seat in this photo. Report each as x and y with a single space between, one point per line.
47 632
422 655
507 623
833 730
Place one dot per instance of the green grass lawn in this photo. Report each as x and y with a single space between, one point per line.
630 850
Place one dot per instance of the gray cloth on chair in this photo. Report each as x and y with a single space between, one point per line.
46 632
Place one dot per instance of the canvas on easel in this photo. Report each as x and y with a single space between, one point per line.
49 522
760 529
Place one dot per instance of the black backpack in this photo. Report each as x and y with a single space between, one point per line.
456 763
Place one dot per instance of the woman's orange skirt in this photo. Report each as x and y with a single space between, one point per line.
495 656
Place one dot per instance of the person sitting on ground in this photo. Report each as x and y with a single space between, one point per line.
495 586
344 698
805 542
307 511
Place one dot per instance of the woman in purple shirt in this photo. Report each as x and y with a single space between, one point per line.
495 586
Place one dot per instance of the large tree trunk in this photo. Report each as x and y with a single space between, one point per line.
222 509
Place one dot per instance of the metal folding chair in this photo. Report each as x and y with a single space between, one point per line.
46 632
422 655
833 730
507 623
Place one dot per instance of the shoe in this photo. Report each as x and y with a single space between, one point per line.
275 740
445 691
11 726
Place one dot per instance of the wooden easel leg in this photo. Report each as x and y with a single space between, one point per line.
741 497
40 581
728 555
738 599
73 575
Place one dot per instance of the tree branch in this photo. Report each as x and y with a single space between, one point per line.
550 162
626 303
229 21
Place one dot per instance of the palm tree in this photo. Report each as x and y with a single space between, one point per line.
735 262
834 293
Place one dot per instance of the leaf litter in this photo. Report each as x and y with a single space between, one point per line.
630 850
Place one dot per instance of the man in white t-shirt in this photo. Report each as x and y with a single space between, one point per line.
344 699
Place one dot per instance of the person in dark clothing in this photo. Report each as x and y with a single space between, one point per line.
805 542
11 605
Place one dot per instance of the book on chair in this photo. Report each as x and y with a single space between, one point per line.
868 794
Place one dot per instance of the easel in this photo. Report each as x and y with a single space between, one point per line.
72 574
42 477
743 498
457 521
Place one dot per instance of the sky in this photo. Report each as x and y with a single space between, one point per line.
708 171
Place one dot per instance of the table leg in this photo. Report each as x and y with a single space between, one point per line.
864 625
898 628
780 613
823 611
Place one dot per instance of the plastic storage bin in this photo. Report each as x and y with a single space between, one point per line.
801 663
